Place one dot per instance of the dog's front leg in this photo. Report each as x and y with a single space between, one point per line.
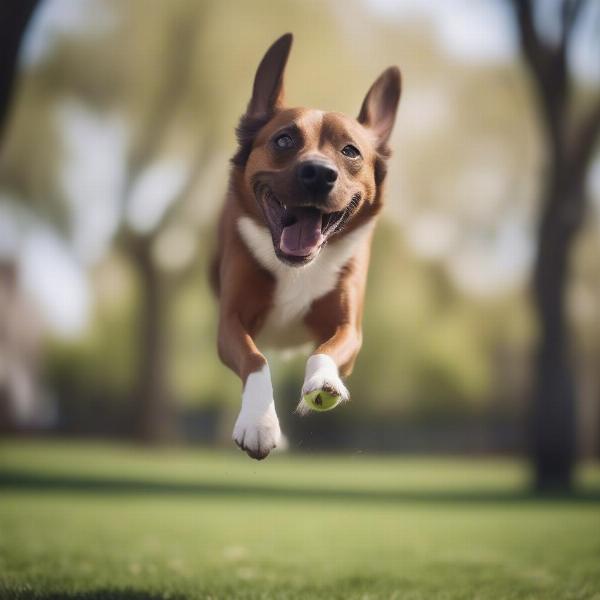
256 429
335 321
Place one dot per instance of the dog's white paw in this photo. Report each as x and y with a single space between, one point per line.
257 435
257 429
322 375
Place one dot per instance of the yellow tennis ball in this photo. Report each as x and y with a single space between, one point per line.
321 401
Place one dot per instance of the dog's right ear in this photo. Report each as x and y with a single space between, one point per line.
267 96
267 93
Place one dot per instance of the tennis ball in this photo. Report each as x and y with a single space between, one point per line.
321 401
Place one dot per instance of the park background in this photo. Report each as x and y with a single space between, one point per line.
478 380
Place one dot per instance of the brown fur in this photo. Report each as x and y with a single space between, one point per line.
244 288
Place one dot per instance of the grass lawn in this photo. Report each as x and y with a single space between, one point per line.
92 521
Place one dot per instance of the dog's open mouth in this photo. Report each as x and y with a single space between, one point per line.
299 232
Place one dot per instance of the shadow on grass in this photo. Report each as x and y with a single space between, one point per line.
28 481
101 594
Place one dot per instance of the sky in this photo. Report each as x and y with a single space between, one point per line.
469 30
58 17
483 30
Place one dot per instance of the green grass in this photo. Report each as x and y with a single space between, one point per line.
92 522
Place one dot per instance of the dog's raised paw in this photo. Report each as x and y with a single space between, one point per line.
323 388
325 396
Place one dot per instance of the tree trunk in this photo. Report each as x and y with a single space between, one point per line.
14 16
554 422
154 414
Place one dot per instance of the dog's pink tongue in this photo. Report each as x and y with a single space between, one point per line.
304 236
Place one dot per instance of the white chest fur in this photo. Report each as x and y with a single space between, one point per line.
297 287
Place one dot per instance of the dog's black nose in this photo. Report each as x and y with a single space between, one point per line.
317 177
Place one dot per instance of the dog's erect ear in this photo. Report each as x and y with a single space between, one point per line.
378 111
267 93
267 97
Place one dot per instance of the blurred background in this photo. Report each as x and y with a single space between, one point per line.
482 324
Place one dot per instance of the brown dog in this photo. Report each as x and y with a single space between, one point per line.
294 240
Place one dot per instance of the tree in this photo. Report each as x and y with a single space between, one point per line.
14 17
570 140
153 412
154 95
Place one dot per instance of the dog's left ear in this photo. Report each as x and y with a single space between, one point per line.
378 111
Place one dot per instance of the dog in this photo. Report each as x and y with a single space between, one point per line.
294 238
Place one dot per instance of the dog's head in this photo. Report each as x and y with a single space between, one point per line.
309 174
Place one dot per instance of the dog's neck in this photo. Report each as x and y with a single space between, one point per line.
297 287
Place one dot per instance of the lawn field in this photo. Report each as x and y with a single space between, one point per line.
97 522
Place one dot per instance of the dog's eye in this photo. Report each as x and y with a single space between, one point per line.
350 151
284 141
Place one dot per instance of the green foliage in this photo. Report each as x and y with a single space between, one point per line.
429 350
422 350
99 366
